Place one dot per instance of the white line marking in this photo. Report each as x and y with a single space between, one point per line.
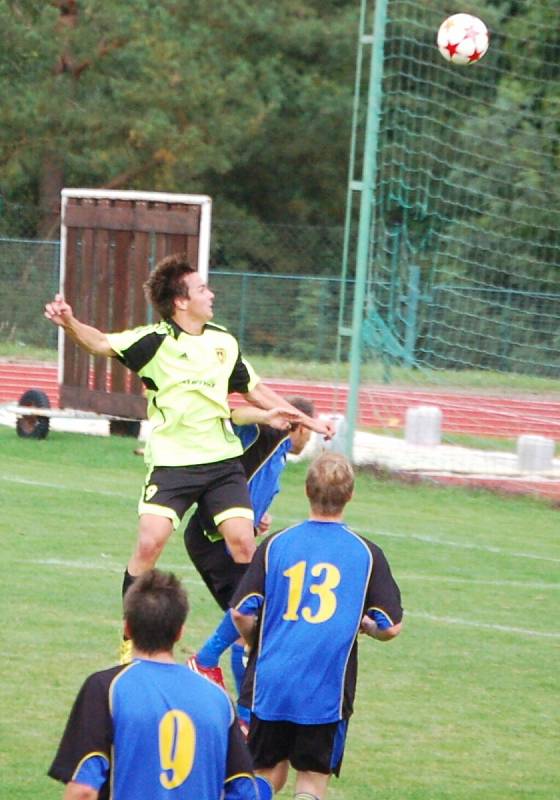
59 562
462 545
106 566
441 542
64 487
479 582
389 534
485 625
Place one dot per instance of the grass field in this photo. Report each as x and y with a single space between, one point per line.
462 706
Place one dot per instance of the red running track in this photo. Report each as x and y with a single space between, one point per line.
379 406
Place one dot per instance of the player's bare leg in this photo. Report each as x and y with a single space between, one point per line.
311 784
153 533
240 538
277 775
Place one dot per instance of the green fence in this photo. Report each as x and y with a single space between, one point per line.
448 326
288 316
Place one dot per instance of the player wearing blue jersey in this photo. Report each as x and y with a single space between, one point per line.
264 459
307 594
153 728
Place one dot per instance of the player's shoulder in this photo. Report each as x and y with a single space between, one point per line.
213 328
140 332
161 327
283 536
100 682
205 689
374 548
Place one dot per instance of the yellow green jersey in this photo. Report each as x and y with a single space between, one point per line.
188 379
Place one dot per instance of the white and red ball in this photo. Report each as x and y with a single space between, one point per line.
462 39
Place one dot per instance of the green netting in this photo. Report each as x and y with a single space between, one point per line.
29 275
465 246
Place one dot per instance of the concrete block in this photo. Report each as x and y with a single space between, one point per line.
317 444
534 453
423 425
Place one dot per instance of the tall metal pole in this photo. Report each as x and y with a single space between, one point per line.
367 200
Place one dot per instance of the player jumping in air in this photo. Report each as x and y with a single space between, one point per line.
188 366
264 459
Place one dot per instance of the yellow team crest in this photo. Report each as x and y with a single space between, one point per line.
150 492
221 354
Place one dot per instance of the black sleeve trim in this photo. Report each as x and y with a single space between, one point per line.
141 352
239 378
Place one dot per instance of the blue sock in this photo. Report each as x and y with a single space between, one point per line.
237 666
238 670
223 637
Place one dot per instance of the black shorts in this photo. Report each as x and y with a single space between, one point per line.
314 748
213 562
221 488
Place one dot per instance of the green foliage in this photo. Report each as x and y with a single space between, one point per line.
232 99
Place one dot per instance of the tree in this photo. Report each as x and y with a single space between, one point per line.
234 99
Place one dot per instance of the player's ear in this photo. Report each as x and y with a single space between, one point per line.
126 630
180 633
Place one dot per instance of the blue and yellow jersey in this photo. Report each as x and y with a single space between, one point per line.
311 584
157 730
187 379
265 452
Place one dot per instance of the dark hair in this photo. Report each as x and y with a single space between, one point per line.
329 483
302 404
166 283
155 608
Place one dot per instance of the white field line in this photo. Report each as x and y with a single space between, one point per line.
479 582
373 534
485 625
389 534
74 564
106 566
461 545
63 487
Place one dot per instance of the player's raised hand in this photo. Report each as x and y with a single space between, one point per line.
264 525
58 311
282 418
326 428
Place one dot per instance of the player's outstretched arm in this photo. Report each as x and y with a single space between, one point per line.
59 312
265 397
279 418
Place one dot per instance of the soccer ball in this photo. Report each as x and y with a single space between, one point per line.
462 39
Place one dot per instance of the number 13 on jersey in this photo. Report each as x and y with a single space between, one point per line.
327 579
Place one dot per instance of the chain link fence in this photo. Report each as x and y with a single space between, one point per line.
282 315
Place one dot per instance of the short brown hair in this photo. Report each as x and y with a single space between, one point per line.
302 404
166 283
155 608
329 483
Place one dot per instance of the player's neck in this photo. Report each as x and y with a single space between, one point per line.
188 323
162 656
315 517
